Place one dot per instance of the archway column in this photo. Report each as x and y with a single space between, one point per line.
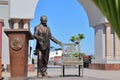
117 47
107 45
1 49
108 41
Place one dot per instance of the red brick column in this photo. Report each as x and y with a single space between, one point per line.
18 49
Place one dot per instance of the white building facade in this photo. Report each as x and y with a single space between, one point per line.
55 53
14 13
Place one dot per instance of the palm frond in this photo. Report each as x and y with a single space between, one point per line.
73 38
110 9
81 36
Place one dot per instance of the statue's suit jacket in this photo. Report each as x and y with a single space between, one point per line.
43 36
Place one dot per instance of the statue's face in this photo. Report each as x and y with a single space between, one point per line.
43 19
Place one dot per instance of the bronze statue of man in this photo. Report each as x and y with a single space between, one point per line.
43 36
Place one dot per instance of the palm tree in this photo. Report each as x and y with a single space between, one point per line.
77 40
73 39
80 37
111 10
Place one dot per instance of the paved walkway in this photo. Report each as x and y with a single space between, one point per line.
71 74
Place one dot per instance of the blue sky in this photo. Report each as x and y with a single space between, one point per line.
66 18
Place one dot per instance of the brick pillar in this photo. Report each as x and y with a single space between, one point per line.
18 49
117 46
1 50
108 40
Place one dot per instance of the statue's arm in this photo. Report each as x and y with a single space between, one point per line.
56 41
53 38
37 34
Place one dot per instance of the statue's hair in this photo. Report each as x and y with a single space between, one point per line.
43 18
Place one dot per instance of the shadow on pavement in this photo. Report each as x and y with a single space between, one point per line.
66 77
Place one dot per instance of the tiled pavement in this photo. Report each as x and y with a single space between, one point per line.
71 74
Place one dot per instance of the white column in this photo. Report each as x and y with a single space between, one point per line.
117 46
26 23
0 49
108 41
16 23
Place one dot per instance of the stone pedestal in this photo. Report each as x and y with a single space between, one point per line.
31 68
18 47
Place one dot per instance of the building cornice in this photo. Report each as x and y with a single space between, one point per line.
3 2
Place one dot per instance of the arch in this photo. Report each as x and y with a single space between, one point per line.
81 23
97 20
94 14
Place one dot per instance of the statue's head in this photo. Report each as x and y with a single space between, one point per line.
43 19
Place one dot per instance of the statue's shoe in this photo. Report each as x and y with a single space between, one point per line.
45 74
39 75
